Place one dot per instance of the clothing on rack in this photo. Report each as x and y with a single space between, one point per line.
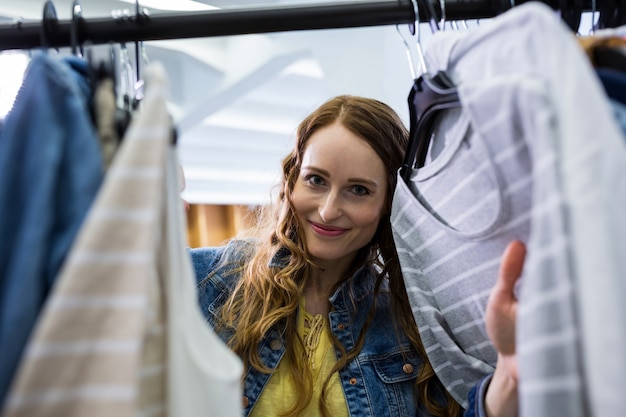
619 111
51 171
111 338
614 83
104 110
534 154
203 373
490 153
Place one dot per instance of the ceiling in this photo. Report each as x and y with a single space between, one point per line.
237 100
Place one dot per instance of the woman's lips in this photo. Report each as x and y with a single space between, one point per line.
328 231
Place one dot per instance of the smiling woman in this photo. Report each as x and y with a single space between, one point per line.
316 306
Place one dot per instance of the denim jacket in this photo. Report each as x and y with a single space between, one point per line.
51 170
378 382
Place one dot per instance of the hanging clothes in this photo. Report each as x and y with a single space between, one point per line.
51 169
204 375
103 346
104 110
534 154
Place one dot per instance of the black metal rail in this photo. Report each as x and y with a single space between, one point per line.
57 33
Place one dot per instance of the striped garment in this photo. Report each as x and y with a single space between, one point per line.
534 154
110 330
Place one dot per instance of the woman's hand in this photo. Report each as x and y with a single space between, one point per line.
502 398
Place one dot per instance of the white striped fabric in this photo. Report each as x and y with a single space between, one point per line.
535 154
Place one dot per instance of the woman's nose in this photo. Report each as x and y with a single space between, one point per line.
330 207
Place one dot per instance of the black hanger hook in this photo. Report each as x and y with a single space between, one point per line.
49 24
141 17
75 31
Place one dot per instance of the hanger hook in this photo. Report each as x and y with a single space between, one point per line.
127 77
592 29
137 17
414 28
77 21
49 23
141 17
409 55
420 52
442 21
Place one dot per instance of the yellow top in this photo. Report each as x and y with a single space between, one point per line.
279 394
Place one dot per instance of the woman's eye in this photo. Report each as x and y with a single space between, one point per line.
315 180
360 190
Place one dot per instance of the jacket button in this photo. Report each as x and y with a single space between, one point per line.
276 344
352 381
407 368
245 402
340 326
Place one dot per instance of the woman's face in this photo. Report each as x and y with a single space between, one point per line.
339 195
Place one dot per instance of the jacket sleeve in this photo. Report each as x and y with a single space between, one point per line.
476 398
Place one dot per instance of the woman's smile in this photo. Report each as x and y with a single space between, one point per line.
328 231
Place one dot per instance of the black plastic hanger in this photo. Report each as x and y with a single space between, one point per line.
49 24
428 97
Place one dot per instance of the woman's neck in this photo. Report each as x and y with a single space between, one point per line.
320 281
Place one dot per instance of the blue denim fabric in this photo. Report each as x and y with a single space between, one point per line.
614 83
619 111
476 398
375 383
51 167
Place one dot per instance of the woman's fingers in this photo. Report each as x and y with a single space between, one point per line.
502 305
511 267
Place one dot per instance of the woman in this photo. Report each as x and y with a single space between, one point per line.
316 306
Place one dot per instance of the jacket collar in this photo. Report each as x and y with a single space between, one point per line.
280 259
360 285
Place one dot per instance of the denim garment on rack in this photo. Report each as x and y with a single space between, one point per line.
614 83
51 169
619 111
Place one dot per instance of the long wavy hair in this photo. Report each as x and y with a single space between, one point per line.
268 297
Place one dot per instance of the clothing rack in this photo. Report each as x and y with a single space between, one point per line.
141 27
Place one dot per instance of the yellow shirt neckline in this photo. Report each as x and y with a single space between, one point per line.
279 393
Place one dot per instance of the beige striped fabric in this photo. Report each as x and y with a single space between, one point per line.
99 346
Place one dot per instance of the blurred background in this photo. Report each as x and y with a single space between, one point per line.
237 100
